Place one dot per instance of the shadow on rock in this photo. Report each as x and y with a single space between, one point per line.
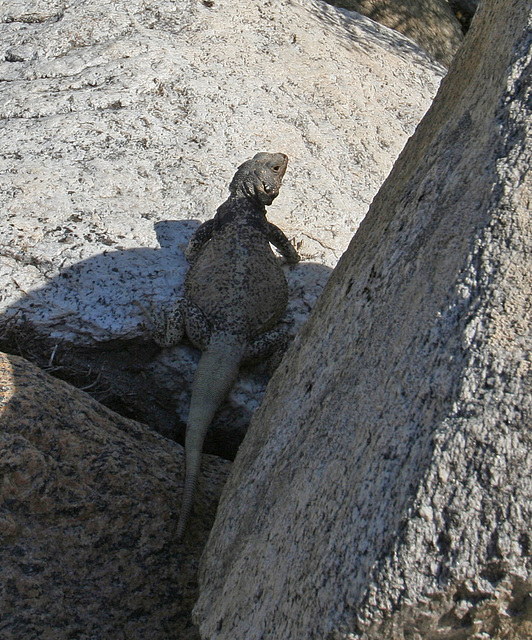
84 327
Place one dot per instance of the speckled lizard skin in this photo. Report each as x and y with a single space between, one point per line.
235 292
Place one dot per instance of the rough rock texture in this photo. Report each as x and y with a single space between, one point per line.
121 124
88 507
384 489
110 126
430 23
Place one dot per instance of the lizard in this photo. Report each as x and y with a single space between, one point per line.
235 292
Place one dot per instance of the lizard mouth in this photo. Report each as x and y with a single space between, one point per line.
269 189
270 193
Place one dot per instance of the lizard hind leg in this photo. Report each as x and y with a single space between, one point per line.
167 326
197 326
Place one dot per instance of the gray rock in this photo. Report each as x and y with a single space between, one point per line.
124 121
88 509
122 115
430 23
384 489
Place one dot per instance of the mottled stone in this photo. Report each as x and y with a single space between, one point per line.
88 508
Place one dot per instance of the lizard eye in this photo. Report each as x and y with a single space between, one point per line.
276 169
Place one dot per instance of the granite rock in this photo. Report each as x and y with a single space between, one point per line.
384 489
122 125
88 506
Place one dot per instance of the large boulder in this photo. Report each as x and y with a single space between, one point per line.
123 122
384 489
88 508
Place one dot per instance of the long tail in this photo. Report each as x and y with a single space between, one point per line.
216 373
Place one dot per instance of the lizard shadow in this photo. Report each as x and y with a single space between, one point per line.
83 327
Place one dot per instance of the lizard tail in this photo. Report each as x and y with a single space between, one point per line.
216 373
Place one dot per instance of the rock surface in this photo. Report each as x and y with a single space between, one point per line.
384 489
430 23
122 124
88 506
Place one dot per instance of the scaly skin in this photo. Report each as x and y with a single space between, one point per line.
235 292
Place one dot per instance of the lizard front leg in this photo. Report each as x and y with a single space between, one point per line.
279 240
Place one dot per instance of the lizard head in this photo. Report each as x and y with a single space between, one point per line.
260 178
